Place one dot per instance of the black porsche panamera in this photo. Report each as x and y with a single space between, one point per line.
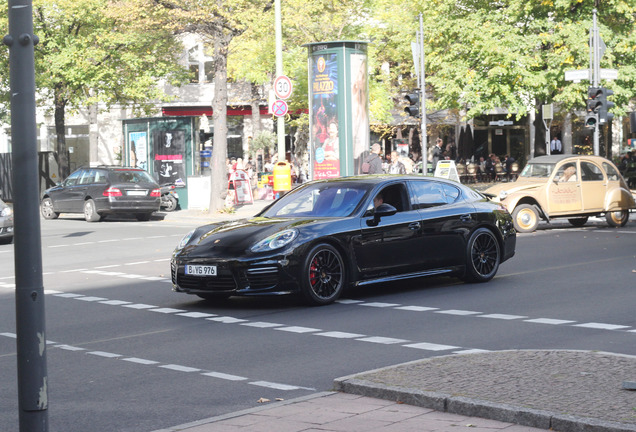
328 234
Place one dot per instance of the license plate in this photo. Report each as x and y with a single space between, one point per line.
136 193
200 270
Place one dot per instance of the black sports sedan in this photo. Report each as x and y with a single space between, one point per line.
329 234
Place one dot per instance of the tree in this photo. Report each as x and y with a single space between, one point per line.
98 51
482 55
218 22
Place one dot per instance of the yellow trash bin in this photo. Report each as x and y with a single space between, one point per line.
282 176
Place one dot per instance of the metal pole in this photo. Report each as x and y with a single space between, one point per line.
280 125
29 292
423 100
596 68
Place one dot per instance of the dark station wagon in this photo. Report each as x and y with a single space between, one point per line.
101 191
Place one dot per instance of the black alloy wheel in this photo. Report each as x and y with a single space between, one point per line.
483 256
324 274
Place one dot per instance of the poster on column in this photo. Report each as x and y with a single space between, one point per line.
359 110
169 147
325 145
138 150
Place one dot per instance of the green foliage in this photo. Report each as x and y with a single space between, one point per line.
481 55
265 140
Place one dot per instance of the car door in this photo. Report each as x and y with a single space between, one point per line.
446 218
563 190
64 195
385 247
593 186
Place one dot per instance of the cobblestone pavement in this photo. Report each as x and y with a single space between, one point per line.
578 387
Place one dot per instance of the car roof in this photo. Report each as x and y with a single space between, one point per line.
382 178
560 157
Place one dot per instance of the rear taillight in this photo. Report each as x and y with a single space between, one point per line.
155 193
112 192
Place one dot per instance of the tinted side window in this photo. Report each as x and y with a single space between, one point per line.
428 194
88 177
590 172
451 192
72 179
101 176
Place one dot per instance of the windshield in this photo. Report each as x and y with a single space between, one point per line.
332 199
537 170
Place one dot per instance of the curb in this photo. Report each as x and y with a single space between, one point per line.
472 407
476 408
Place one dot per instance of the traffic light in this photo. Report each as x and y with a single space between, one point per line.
604 115
593 106
414 104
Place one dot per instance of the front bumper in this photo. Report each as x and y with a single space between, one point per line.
236 277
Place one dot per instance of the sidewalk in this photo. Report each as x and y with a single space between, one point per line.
202 216
511 391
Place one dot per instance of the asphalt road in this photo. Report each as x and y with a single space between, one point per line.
126 354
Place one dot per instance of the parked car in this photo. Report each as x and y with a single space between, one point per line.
565 186
6 223
101 191
327 234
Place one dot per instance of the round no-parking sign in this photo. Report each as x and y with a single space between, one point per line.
279 108
283 87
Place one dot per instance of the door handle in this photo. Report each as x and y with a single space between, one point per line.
465 218
414 225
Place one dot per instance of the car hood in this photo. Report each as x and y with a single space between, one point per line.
236 237
518 185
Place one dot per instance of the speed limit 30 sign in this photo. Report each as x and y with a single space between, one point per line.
282 87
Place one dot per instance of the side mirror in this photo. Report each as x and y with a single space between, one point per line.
381 211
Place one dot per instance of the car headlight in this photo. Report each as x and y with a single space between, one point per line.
502 195
6 212
275 241
184 241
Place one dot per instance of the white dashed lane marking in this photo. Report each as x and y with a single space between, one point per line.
602 326
172 367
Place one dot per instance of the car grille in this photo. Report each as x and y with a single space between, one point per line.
262 277
253 278
217 283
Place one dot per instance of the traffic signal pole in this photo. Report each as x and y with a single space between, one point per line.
596 72
29 290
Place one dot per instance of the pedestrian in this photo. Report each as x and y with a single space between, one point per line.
555 145
373 163
437 152
396 167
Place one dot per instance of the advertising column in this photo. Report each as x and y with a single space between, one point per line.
338 104
324 107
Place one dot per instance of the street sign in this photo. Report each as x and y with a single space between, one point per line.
279 108
283 87
501 123
609 74
577 75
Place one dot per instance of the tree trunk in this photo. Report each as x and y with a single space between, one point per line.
256 110
60 131
218 177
